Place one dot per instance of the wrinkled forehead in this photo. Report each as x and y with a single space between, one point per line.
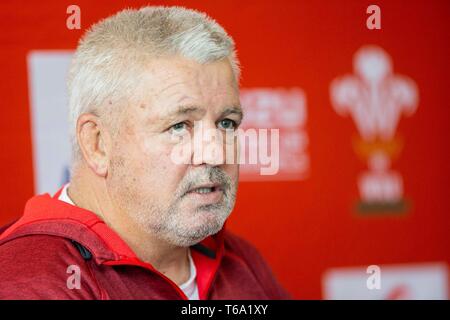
170 83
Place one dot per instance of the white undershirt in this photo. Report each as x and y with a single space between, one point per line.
189 288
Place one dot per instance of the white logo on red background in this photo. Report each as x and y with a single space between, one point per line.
285 110
376 98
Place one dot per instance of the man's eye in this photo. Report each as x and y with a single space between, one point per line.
179 127
227 124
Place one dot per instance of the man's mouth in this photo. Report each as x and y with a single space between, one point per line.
206 193
206 188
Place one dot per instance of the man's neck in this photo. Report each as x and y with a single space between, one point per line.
172 261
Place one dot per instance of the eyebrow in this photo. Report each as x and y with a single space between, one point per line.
233 110
188 109
183 110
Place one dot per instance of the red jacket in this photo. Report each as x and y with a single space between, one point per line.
37 251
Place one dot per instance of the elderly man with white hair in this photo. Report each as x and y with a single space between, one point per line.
133 223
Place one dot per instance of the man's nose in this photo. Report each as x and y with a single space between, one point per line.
208 144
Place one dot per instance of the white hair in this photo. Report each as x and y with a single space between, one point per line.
109 60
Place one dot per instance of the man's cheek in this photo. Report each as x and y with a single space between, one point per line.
232 170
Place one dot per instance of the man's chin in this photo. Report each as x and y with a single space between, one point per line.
187 240
196 233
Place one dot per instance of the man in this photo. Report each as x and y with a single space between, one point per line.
134 222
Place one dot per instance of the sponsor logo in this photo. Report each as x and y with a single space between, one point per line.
376 98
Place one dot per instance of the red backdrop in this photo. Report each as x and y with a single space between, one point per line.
301 227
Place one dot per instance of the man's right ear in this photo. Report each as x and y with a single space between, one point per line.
93 140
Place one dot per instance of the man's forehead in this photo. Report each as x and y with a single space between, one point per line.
170 70
182 91
179 90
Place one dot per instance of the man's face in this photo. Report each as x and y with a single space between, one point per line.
179 203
